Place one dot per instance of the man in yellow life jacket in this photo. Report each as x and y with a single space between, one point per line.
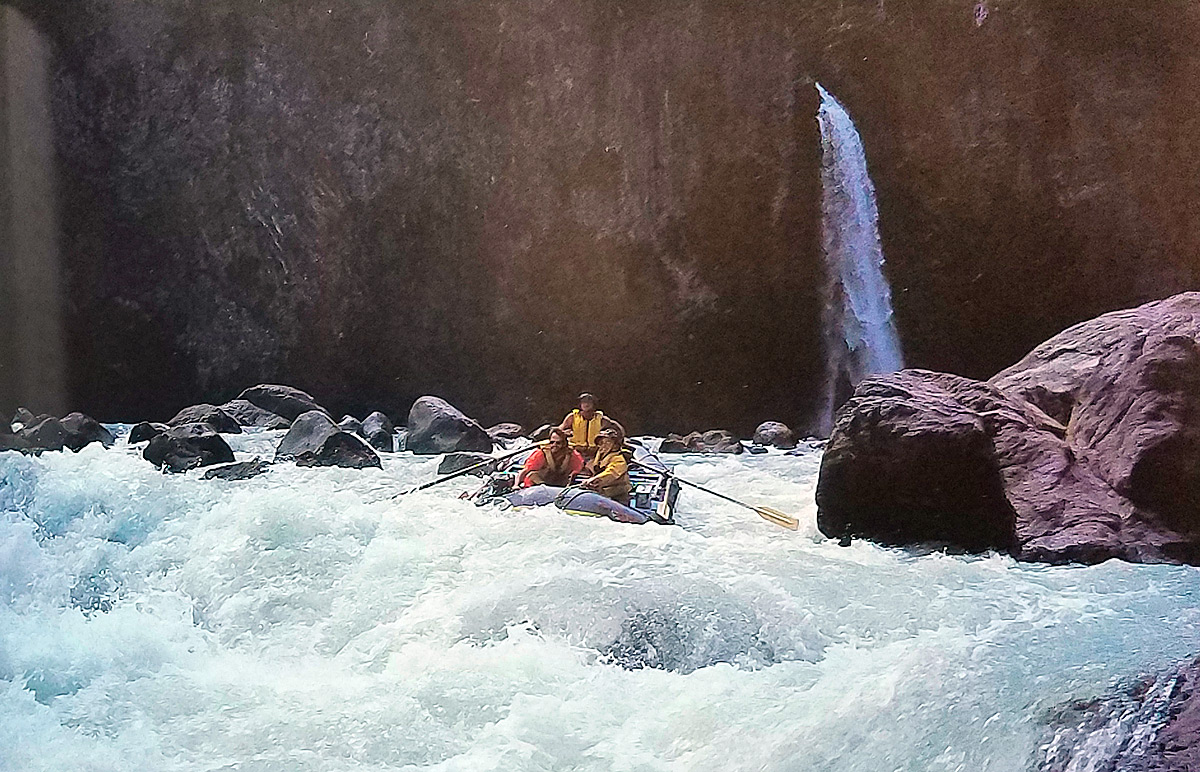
610 468
585 423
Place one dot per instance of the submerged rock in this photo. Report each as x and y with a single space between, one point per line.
247 413
775 434
340 449
145 431
1151 725
435 426
350 424
306 435
919 456
212 415
455 462
185 447
506 431
713 441
241 470
378 430
283 401
83 430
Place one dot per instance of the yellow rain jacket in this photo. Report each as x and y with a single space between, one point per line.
612 473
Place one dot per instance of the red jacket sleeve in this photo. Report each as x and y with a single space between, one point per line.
536 461
576 462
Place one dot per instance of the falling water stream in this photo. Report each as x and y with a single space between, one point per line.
859 328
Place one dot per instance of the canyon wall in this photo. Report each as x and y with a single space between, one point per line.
505 202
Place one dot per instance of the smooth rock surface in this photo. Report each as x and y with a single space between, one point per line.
247 413
775 434
340 449
281 400
920 457
83 430
207 414
435 426
145 431
506 431
712 441
306 435
455 462
379 432
189 446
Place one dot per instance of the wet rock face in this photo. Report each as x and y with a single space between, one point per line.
1151 725
435 426
246 184
283 401
922 456
215 417
185 447
712 441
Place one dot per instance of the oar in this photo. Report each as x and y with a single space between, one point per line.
770 514
468 470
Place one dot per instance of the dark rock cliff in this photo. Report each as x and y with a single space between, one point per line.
507 202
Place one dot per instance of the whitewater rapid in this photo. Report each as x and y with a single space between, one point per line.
304 620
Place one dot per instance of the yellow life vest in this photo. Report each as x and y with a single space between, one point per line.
583 433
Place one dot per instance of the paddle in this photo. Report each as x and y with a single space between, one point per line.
468 470
770 514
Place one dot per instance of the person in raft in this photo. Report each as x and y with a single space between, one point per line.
556 464
610 468
585 423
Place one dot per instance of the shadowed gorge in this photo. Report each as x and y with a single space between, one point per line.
504 203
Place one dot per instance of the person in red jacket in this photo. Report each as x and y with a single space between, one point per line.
556 464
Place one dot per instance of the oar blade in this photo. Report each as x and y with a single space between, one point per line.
781 519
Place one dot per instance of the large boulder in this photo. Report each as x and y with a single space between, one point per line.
435 426
10 441
212 415
456 462
185 447
506 431
712 441
377 429
340 449
1087 449
350 424
45 433
83 430
145 431
775 434
281 400
247 413
307 433
1127 384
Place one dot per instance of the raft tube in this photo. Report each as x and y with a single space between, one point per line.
577 501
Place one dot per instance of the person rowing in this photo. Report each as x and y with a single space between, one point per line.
584 424
610 468
556 464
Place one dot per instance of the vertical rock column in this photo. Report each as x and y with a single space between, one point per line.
32 365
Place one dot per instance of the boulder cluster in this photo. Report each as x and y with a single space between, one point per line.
1085 450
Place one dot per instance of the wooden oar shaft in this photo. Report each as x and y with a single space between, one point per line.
470 469
771 515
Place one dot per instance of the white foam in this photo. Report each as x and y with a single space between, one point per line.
303 620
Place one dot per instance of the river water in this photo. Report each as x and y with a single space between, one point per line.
303 620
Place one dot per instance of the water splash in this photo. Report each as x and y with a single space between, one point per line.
859 328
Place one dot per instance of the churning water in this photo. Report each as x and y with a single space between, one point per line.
302 620
858 325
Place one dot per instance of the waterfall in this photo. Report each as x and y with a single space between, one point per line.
858 326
